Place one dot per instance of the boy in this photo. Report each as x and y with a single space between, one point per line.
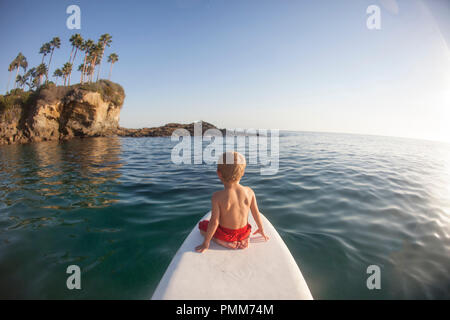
229 225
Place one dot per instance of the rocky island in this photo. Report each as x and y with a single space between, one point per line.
60 112
64 112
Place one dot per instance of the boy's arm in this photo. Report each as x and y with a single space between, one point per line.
212 225
257 216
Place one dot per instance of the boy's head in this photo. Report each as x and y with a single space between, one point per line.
231 166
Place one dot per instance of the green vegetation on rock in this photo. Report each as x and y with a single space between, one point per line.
109 91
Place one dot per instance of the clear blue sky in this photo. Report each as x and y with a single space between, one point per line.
291 64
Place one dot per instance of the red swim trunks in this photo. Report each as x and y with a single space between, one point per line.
228 235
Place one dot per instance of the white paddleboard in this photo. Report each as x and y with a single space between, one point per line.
263 271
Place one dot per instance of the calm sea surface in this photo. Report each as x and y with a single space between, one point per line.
119 208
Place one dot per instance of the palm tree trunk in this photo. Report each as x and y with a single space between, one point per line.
84 67
110 70
75 55
15 79
9 80
49 62
100 64
70 59
93 68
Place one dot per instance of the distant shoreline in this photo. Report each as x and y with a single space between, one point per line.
164 131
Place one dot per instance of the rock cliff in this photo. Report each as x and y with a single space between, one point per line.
59 113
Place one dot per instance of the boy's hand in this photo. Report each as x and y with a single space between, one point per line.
261 231
204 246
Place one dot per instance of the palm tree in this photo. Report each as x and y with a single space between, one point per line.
104 41
45 50
57 74
88 67
20 62
88 71
86 47
19 81
92 60
96 54
55 43
41 70
112 58
11 67
22 80
80 68
77 41
35 82
66 71
30 76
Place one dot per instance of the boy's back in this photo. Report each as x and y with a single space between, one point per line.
234 204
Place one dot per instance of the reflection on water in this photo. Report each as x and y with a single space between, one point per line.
60 176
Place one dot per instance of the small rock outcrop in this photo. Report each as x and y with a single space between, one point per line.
164 131
59 113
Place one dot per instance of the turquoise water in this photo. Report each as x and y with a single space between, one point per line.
119 209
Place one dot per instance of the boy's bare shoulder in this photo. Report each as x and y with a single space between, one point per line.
217 196
248 191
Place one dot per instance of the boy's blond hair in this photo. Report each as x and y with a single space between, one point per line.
231 166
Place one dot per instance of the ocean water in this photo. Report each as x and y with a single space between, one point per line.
119 209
